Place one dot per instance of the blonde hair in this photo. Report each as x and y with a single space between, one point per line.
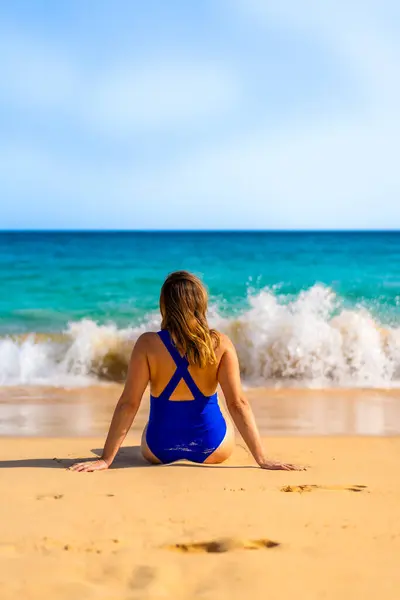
183 305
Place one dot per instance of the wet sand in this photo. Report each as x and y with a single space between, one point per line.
189 531
55 412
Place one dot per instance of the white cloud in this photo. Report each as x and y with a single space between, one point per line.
160 96
120 99
331 170
328 170
33 75
359 35
334 175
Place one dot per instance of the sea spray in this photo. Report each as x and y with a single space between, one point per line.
309 339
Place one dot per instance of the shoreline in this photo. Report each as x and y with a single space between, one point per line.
79 412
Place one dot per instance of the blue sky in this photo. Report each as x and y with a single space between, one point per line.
219 114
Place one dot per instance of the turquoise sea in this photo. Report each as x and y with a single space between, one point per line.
304 308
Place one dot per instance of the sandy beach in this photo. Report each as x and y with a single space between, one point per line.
185 531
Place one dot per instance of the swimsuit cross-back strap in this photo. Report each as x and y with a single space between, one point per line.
182 372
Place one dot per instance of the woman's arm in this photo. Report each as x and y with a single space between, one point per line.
240 409
137 379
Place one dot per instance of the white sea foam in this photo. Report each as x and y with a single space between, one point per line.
307 340
302 342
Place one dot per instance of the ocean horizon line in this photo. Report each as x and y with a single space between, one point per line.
183 231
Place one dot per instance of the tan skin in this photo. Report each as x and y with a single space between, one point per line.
151 363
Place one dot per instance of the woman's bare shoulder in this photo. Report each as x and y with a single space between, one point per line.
224 341
147 341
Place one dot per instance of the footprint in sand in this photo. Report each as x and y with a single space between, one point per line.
50 497
309 488
142 577
148 582
223 545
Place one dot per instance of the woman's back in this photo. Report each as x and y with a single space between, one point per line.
162 368
191 428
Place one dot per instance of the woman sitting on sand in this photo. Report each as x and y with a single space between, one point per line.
184 362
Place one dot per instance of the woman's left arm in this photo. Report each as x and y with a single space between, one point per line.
137 379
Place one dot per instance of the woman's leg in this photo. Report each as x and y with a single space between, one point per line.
146 452
225 448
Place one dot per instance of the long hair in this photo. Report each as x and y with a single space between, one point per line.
183 305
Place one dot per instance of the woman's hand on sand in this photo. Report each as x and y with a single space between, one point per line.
90 466
274 465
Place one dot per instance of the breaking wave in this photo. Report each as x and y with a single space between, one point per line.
307 340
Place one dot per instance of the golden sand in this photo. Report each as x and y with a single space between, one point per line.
189 531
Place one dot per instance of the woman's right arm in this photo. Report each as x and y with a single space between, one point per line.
240 409
137 379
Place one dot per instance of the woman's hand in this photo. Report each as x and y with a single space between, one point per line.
90 466
274 465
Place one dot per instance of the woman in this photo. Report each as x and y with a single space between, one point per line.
184 362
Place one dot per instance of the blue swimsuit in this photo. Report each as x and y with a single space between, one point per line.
187 429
